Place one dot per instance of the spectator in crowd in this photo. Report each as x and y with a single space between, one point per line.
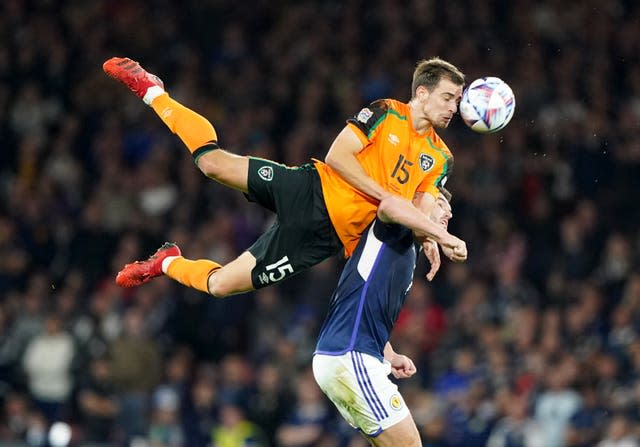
308 421
454 384
619 433
134 362
587 423
165 429
200 412
558 402
235 429
517 428
269 401
47 362
20 421
98 403
470 418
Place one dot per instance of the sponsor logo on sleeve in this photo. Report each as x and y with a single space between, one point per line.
364 115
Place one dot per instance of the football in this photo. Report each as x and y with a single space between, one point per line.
487 105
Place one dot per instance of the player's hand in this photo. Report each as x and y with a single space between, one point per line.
402 367
454 248
432 253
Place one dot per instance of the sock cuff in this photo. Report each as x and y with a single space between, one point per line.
166 261
207 147
152 93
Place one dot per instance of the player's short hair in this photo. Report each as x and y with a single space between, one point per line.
428 73
446 193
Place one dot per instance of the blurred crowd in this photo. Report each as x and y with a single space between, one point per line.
534 342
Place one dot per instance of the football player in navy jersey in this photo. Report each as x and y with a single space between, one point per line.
353 357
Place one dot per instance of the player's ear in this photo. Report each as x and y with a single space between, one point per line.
417 197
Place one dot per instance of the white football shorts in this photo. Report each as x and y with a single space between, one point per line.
359 386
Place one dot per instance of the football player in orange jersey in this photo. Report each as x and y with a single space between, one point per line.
388 154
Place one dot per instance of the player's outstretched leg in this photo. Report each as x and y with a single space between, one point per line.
195 131
168 260
199 136
201 274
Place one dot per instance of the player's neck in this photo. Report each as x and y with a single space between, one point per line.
419 121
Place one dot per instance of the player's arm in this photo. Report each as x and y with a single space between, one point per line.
402 367
432 252
429 246
342 159
398 210
425 202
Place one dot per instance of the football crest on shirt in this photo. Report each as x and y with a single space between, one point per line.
266 173
364 115
395 402
426 162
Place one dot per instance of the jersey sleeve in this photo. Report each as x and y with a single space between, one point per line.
367 122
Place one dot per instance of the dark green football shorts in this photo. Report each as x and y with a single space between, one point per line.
302 235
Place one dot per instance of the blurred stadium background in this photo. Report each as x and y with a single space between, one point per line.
532 342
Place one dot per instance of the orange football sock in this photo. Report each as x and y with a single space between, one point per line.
194 274
194 130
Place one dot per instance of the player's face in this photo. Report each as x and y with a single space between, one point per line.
441 104
441 213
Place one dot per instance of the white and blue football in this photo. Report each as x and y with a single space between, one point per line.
487 105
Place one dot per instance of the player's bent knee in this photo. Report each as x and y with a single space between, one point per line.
219 292
226 168
218 289
222 284
211 164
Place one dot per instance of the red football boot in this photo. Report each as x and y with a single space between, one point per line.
131 74
140 272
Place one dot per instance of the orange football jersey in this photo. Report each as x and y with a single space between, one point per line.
395 156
